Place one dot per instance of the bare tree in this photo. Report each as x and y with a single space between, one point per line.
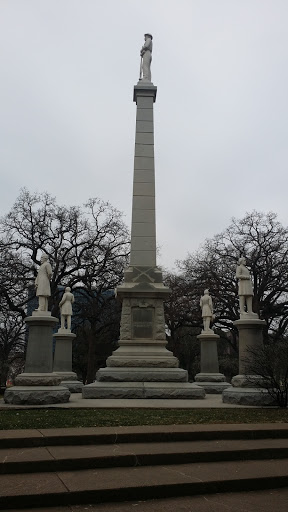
264 242
87 247
98 326
184 322
12 341
271 363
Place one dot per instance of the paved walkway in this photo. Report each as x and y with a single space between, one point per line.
76 401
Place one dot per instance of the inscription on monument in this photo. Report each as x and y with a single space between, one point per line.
142 322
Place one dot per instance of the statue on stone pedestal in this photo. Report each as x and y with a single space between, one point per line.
146 59
42 283
245 290
206 305
66 308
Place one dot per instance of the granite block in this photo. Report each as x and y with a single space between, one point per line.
145 102
247 396
144 189
145 258
146 150
144 176
143 203
143 216
144 127
143 243
143 229
144 114
36 395
144 138
138 374
144 163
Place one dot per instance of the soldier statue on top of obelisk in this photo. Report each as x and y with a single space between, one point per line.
146 59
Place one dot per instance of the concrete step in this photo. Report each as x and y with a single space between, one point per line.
251 501
137 434
139 483
64 467
71 458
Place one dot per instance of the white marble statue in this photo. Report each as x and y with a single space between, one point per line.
245 289
206 305
146 55
66 308
42 283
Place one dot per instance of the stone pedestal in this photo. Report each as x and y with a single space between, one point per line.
142 367
209 378
245 390
38 385
63 361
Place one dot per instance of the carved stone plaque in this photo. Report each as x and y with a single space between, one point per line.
142 322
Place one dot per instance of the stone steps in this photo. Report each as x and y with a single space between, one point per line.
138 434
70 466
70 458
114 484
251 501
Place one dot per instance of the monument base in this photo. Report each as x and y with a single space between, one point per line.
213 383
247 396
148 390
114 374
247 381
38 379
145 354
69 380
36 395
247 390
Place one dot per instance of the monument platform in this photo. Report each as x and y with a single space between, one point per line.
139 374
36 395
76 402
70 380
247 396
148 390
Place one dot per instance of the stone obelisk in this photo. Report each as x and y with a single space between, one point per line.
142 367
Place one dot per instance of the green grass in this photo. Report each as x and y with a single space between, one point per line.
63 418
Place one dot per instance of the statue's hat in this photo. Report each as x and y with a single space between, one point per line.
150 35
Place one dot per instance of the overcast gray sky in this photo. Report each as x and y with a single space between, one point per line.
67 119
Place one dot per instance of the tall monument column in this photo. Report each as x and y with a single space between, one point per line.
142 367
142 335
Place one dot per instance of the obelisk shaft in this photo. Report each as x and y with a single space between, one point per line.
143 231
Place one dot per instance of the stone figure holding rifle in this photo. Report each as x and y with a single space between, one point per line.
146 59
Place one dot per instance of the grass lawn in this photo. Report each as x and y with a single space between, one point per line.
63 418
